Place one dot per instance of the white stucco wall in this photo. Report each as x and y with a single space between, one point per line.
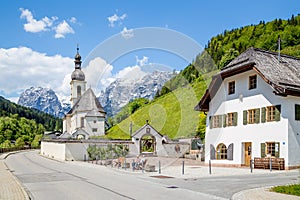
76 151
293 142
245 99
53 150
99 125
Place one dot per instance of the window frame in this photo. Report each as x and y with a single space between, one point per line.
216 121
251 116
231 119
221 152
231 87
270 113
81 122
270 148
252 82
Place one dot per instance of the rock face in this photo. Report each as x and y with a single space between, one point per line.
43 99
121 91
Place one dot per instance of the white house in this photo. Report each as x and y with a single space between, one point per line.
253 110
86 117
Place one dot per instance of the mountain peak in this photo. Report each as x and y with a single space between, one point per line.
43 99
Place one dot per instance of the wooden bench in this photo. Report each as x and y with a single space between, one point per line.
264 163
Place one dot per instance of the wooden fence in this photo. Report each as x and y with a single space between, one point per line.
6 150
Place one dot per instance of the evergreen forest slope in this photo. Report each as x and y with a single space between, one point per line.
20 125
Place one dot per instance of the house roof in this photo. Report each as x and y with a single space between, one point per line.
87 102
282 73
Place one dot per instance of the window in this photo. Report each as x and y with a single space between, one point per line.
297 112
94 130
231 87
230 119
217 121
252 82
270 113
253 116
82 122
221 152
78 91
270 148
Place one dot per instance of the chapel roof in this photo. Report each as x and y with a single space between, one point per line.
281 72
87 102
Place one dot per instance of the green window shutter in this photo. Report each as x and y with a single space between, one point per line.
235 116
263 115
277 149
220 121
263 150
224 120
210 122
277 112
245 112
257 115
297 112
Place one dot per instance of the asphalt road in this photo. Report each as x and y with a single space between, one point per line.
49 179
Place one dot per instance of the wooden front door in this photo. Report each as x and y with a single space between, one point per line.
248 152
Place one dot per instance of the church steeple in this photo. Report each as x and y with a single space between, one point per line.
78 83
77 59
77 73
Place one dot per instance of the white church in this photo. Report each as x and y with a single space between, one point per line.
86 117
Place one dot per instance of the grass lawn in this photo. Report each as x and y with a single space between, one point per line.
288 189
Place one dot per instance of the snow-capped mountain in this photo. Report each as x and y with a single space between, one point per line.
43 99
122 91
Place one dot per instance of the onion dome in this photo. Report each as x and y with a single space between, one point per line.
77 73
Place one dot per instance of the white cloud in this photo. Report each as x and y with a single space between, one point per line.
33 25
115 18
131 73
46 24
143 61
62 29
98 74
22 68
127 33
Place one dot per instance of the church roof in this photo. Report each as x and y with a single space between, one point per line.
94 113
281 72
87 102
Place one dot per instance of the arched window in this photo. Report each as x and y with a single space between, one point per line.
221 152
78 91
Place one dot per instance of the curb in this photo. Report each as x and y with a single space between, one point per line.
25 192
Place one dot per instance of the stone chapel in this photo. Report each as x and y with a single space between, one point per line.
86 117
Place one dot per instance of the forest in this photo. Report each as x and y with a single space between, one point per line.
21 126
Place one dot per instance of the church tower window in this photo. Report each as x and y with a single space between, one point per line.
78 91
82 122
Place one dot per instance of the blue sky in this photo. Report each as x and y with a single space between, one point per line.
38 38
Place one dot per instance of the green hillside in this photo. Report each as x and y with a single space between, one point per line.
172 113
23 125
